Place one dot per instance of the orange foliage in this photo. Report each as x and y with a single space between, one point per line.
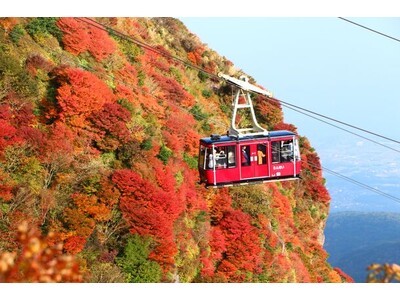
80 37
217 243
220 202
74 244
128 75
302 274
285 126
79 94
269 111
37 261
195 57
123 92
173 91
8 23
180 134
78 222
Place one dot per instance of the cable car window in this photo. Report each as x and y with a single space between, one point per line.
283 151
210 158
286 151
202 156
221 157
296 150
231 156
276 157
261 154
245 155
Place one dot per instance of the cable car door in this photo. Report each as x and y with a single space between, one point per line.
261 162
254 160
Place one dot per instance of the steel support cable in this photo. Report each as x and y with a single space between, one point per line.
335 120
341 128
370 29
356 182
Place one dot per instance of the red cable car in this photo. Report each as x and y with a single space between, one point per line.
250 155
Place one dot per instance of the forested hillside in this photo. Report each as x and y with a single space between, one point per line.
98 163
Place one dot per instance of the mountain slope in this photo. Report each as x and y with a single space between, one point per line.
98 154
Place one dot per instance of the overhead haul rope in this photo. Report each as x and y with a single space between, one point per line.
356 182
370 29
341 128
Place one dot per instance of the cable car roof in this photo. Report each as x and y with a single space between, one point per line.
225 138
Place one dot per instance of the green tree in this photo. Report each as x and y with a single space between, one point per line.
135 262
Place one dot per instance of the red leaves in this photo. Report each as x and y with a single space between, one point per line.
173 91
7 134
180 133
235 224
149 211
80 37
110 123
217 243
243 255
195 56
74 244
80 93
6 186
285 126
269 111
220 202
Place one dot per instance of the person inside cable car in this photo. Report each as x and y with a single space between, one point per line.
261 154
245 157
211 159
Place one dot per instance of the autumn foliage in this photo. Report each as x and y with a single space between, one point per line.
79 36
98 156
37 261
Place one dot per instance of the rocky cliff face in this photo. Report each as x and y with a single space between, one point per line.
100 122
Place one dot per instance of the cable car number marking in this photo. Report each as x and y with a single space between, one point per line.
278 167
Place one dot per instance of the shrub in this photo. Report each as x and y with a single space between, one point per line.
197 113
206 93
191 161
164 154
44 25
16 33
202 76
135 262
